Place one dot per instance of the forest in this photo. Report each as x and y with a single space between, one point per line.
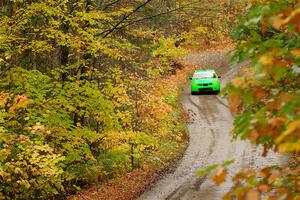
83 94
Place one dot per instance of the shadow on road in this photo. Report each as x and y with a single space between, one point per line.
205 94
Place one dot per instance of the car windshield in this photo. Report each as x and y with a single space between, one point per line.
205 75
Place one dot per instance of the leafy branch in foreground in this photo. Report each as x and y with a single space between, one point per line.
266 97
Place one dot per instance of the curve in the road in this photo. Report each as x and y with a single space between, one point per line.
210 143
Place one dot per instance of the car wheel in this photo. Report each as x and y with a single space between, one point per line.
194 93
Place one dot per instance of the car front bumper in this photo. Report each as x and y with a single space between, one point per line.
198 88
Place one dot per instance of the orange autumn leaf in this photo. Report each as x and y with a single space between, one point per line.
295 17
253 135
252 194
220 176
239 176
295 52
20 101
241 194
281 190
276 122
283 62
273 105
277 22
13 102
263 188
263 173
234 103
259 93
271 198
264 130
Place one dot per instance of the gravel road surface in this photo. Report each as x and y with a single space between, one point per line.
210 141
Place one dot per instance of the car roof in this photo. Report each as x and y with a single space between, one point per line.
204 70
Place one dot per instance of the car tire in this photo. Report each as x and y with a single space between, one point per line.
194 93
217 92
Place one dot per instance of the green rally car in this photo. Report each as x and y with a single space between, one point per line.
205 80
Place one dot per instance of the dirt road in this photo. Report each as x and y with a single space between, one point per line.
210 142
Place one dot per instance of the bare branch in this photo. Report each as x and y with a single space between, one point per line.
107 32
164 13
111 4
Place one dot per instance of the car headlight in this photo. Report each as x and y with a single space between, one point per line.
216 83
195 84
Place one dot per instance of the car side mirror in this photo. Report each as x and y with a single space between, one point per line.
219 76
191 78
